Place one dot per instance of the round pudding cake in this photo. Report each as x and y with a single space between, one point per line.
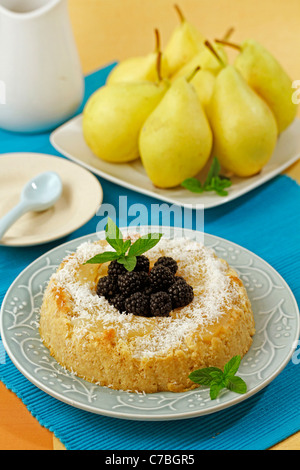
92 339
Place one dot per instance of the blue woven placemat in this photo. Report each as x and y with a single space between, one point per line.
267 222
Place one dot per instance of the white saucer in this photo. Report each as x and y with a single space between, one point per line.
82 195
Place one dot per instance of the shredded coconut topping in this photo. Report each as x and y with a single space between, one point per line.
213 292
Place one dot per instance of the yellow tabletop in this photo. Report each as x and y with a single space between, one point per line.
109 30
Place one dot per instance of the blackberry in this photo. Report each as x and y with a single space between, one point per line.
181 293
148 289
179 279
160 304
107 287
132 282
168 262
142 264
118 301
161 278
115 269
138 304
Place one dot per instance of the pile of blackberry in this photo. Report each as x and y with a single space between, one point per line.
145 292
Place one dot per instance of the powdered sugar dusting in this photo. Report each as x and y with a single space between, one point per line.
150 336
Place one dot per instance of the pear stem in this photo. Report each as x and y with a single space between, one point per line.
191 76
228 34
210 47
179 11
158 66
227 43
157 41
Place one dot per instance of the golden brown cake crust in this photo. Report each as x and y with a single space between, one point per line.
94 341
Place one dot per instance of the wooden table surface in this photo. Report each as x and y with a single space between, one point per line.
108 30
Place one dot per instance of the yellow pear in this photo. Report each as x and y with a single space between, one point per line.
176 139
204 82
268 78
244 127
206 60
114 116
210 65
140 68
185 42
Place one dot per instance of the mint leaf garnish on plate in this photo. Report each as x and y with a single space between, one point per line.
129 262
114 237
193 185
125 251
214 181
143 244
217 379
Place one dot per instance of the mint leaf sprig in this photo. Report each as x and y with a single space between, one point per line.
217 379
214 181
125 252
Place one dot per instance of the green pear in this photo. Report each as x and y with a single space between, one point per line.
244 127
114 116
176 139
268 78
140 68
185 42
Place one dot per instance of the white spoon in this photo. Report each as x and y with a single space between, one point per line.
38 195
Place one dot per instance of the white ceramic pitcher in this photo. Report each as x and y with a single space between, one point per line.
41 82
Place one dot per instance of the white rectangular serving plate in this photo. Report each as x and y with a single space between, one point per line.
69 141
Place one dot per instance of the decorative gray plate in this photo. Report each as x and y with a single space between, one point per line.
277 331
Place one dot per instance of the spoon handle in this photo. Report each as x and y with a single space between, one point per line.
9 219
